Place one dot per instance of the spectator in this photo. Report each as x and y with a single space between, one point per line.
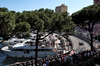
65 58
44 64
59 59
47 63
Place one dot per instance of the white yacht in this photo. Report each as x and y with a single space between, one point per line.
27 49
12 41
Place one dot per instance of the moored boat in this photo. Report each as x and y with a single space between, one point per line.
27 49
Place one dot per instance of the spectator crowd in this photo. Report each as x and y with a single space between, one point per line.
61 60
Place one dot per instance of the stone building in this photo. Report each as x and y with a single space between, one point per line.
62 8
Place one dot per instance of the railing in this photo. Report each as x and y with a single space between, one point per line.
26 63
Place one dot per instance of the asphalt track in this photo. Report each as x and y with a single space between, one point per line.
76 46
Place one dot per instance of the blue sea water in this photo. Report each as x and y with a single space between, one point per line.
6 60
2 58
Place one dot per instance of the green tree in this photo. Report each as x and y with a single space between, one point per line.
31 20
22 28
18 14
88 16
7 23
3 9
39 25
44 22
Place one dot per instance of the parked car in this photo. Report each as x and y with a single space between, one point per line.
81 43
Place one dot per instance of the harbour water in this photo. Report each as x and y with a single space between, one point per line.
6 60
2 58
